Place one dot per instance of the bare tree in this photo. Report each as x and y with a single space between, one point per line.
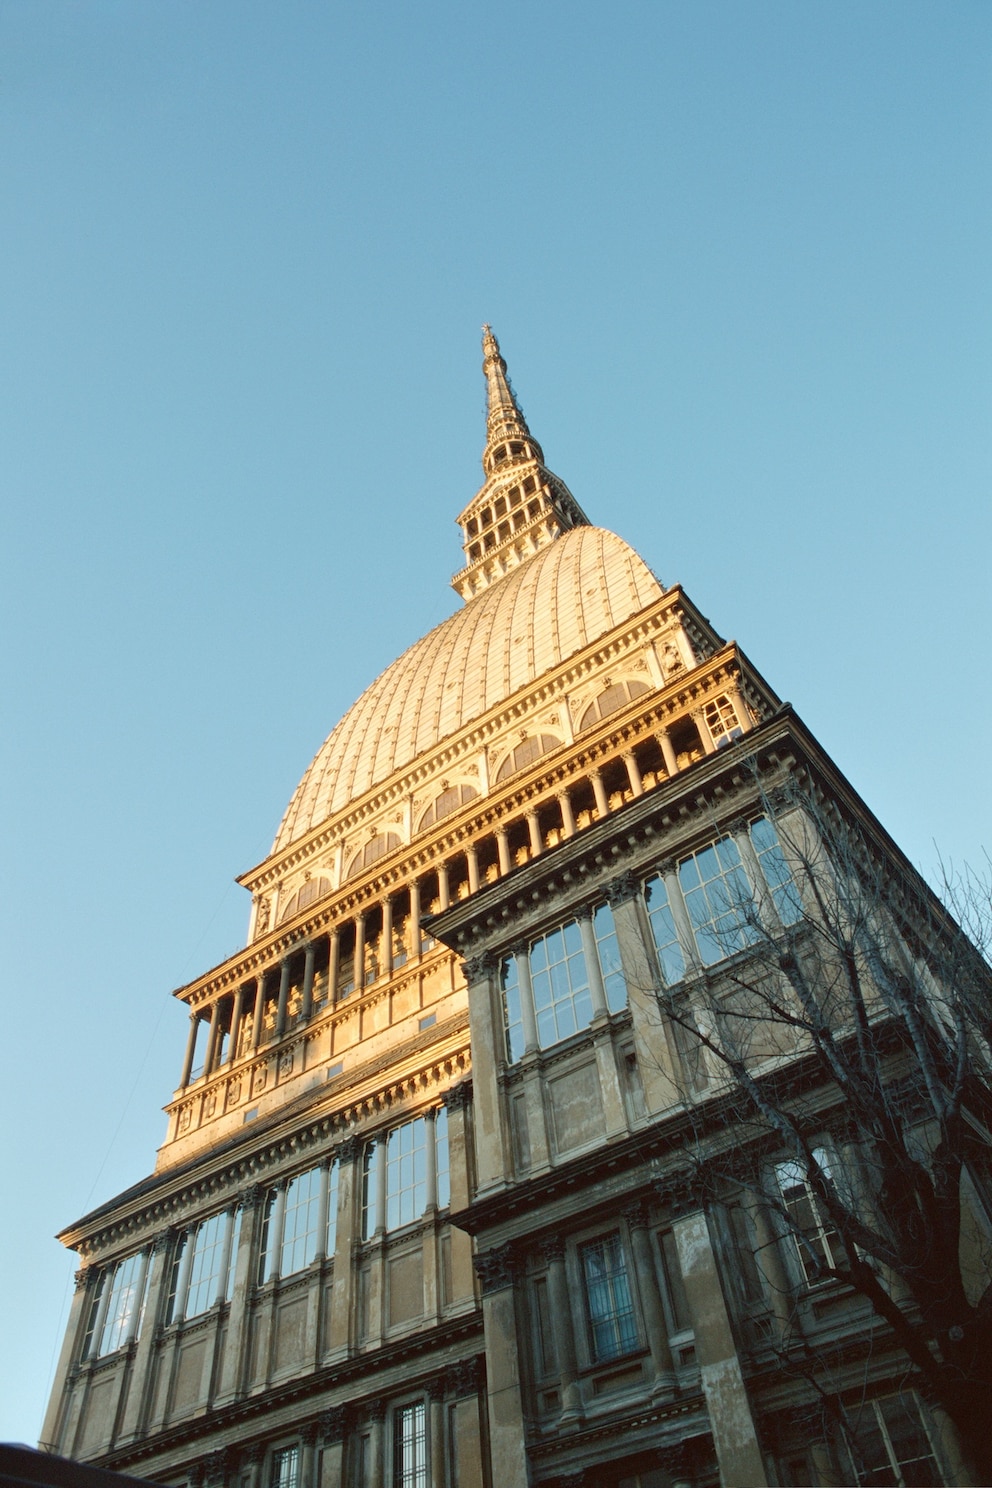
852 1002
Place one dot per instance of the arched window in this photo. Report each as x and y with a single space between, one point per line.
615 697
313 889
447 802
377 847
526 753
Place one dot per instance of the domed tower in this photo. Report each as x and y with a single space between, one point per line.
410 1222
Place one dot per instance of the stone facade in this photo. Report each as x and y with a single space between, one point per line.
425 1212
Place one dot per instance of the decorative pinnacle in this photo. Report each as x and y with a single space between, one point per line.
504 418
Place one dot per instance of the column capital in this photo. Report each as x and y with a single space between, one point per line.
437 1387
311 1433
636 1212
253 1455
666 866
334 1424
163 1240
376 1410
624 887
495 1269
459 1096
465 1377
479 968
251 1197
350 1150
584 912
85 1277
552 1248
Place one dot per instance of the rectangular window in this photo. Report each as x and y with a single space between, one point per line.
560 978
719 900
300 1221
125 1304
662 924
406 1173
265 1259
764 840
204 1271
511 1010
605 932
286 1468
891 1445
817 1243
410 1446
370 1190
330 1238
612 1326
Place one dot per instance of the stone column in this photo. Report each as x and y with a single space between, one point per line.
138 1401
252 1459
534 830
308 1454
334 1427
435 1397
653 1061
507 1431
443 886
633 773
702 727
597 991
283 996
82 1297
386 958
769 1259
482 977
308 966
415 919
599 791
234 1363
521 954
567 816
259 1014
726 1395
182 1284
472 858
430 1184
333 962
655 1322
359 953
277 1226
668 751
237 1011
503 851
213 1039
377 1444
563 1329
194 1028
346 1233
458 1102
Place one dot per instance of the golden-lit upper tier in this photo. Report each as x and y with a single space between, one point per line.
549 607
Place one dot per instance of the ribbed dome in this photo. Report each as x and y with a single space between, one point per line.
567 595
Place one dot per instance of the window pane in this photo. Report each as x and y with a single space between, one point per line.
406 1173
608 1300
266 1260
605 932
204 1273
410 1447
561 985
330 1238
511 1011
124 1303
719 900
776 871
286 1468
443 1162
299 1234
663 929
370 1217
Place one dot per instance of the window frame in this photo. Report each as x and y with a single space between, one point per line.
418 1473
623 1321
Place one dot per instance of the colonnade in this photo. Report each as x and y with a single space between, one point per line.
353 961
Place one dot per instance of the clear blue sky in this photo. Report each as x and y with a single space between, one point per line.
737 255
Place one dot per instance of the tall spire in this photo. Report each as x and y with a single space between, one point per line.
522 505
504 417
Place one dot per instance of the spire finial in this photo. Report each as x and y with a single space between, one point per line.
504 417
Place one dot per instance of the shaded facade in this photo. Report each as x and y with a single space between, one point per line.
428 1210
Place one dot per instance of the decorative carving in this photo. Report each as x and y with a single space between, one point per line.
437 1387
376 1411
311 1433
234 1090
478 968
350 1150
666 866
251 1197
334 1424
671 659
262 918
85 1277
162 1242
253 1455
636 1214
286 1062
215 1467
495 1269
465 1377
210 1105
552 1248
194 1477
185 1117
622 889
459 1096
